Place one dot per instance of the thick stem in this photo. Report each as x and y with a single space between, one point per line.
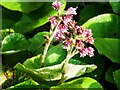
48 44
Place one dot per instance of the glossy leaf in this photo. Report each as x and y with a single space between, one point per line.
104 26
96 59
9 18
33 63
92 10
116 76
29 84
24 7
54 73
36 43
109 73
108 47
115 6
14 41
55 55
79 84
36 18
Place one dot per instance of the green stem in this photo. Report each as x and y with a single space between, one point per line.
48 43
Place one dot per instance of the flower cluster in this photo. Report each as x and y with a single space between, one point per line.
71 34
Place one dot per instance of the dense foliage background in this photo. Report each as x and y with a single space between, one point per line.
23 27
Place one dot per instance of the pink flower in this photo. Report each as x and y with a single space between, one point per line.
66 19
79 44
53 20
71 11
83 52
66 44
71 24
62 28
57 5
90 40
90 51
59 35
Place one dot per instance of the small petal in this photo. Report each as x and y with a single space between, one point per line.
62 28
90 51
66 19
57 5
79 44
83 52
53 20
66 44
59 35
71 11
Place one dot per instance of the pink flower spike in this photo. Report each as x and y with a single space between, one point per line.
79 44
66 44
59 35
90 40
66 19
62 28
83 52
53 20
57 5
71 11
90 51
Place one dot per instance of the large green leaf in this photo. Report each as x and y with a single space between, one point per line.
92 10
33 63
115 6
36 18
109 73
54 73
14 41
36 43
96 59
82 83
24 7
104 26
55 55
29 84
109 47
116 76
9 18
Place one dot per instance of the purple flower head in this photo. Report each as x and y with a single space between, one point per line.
71 11
83 52
59 35
66 19
90 51
62 28
79 44
71 24
66 44
53 20
57 5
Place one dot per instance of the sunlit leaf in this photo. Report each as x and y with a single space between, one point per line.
79 84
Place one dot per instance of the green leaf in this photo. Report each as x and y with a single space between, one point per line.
55 55
9 18
109 73
14 41
79 84
36 18
52 74
97 60
24 7
36 43
33 63
108 47
104 26
92 10
116 76
115 6
14 57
